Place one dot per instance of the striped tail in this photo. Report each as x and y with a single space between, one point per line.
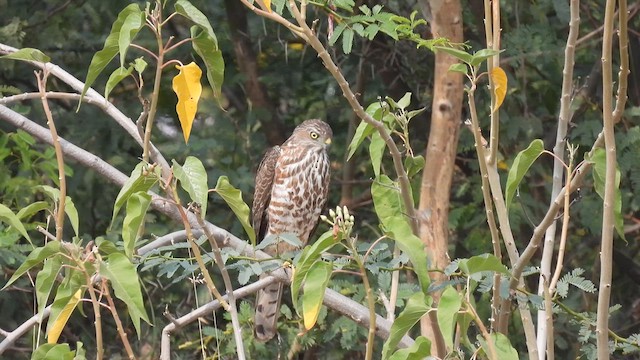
267 311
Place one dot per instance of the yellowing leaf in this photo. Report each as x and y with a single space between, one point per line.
499 78
187 87
314 286
61 321
267 5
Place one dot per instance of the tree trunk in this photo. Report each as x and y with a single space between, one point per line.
446 21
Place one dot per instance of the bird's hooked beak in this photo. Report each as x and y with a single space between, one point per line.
327 142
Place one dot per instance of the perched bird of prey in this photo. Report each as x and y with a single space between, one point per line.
291 190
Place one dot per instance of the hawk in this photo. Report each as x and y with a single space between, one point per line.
291 189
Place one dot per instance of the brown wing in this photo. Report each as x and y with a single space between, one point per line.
262 192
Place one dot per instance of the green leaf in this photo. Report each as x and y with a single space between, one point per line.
599 160
137 206
414 164
36 257
480 263
336 33
129 22
309 255
459 68
404 101
139 180
520 166
315 283
206 46
126 286
388 206
363 130
417 306
45 281
193 179
347 40
420 348
53 352
7 216
27 54
139 64
72 213
376 150
482 55
233 198
456 53
32 209
69 209
186 9
448 308
504 350
115 78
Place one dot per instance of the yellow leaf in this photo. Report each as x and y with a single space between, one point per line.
61 321
267 5
188 88
499 78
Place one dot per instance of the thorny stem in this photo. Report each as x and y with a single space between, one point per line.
608 220
116 318
42 85
564 117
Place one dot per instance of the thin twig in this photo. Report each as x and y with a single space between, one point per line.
42 85
116 318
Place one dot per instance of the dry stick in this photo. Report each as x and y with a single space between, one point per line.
333 300
608 217
233 310
564 117
42 84
116 318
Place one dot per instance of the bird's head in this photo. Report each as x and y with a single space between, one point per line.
312 132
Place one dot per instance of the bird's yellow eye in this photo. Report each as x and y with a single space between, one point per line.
314 135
